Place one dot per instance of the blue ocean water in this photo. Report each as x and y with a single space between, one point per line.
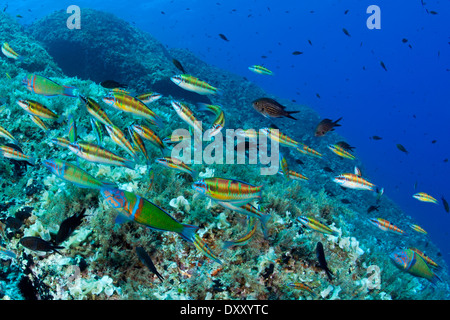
337 75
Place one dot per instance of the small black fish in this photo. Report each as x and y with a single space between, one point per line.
344 145
328 169
309 41
434 141
68 226
178 65
322 261
346 11
38 244
299 161
318 95
372 208
383 65
433 12
145 258
402 148
345 201
111 84
446 207
404 40
223 37
376 138
346 32
296 53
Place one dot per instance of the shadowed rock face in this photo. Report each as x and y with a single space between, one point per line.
104 48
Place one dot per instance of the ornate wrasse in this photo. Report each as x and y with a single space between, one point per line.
135 208
313 224
194 84
95 110
71 173
36 109
386 225
236 192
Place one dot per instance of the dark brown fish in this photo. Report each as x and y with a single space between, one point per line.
68 226
177 64
445 203
383 65
346 32
345 201
344 145
296 53
269 108
402 148
376 138
320 254
222 36
326 125
38 244
112 84
372 208
145 259
404 40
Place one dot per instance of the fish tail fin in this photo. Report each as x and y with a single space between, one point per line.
70 92
194 174
188 232
219 92
435 279
32 161
335 123
264 218
227 244
288 114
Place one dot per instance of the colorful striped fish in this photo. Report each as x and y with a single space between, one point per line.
409 261
236 192
62 142
149 135
424 197
7 252
303 148
176 164
385 225
203 248
133 207
249 210
294 175
126 103
98 131
278 136
260 70
11 153
139 144
10 53
72 173
38 121
356 181
427 259
315 225
284 166
417 228
37 109
94 153
187 116
194 84
149 97
5 134
341 151
95 110
72 129
219 122
46 87
252 226
119 138
301 286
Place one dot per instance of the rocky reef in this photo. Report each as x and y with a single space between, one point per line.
99 260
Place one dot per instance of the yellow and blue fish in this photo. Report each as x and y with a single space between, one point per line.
132 207
7 135
194 84
95 110
74 174
36 109
315 225
46 87
409 261
385 225
237 193
341 151
252 226
219 122
301 286
120 139
260 70
187 116
176 164
356 181
418 228
149 97
424 197
203 248
10 53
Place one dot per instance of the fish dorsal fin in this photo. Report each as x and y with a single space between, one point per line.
357 172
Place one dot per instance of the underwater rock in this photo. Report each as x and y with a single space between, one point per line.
105 48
